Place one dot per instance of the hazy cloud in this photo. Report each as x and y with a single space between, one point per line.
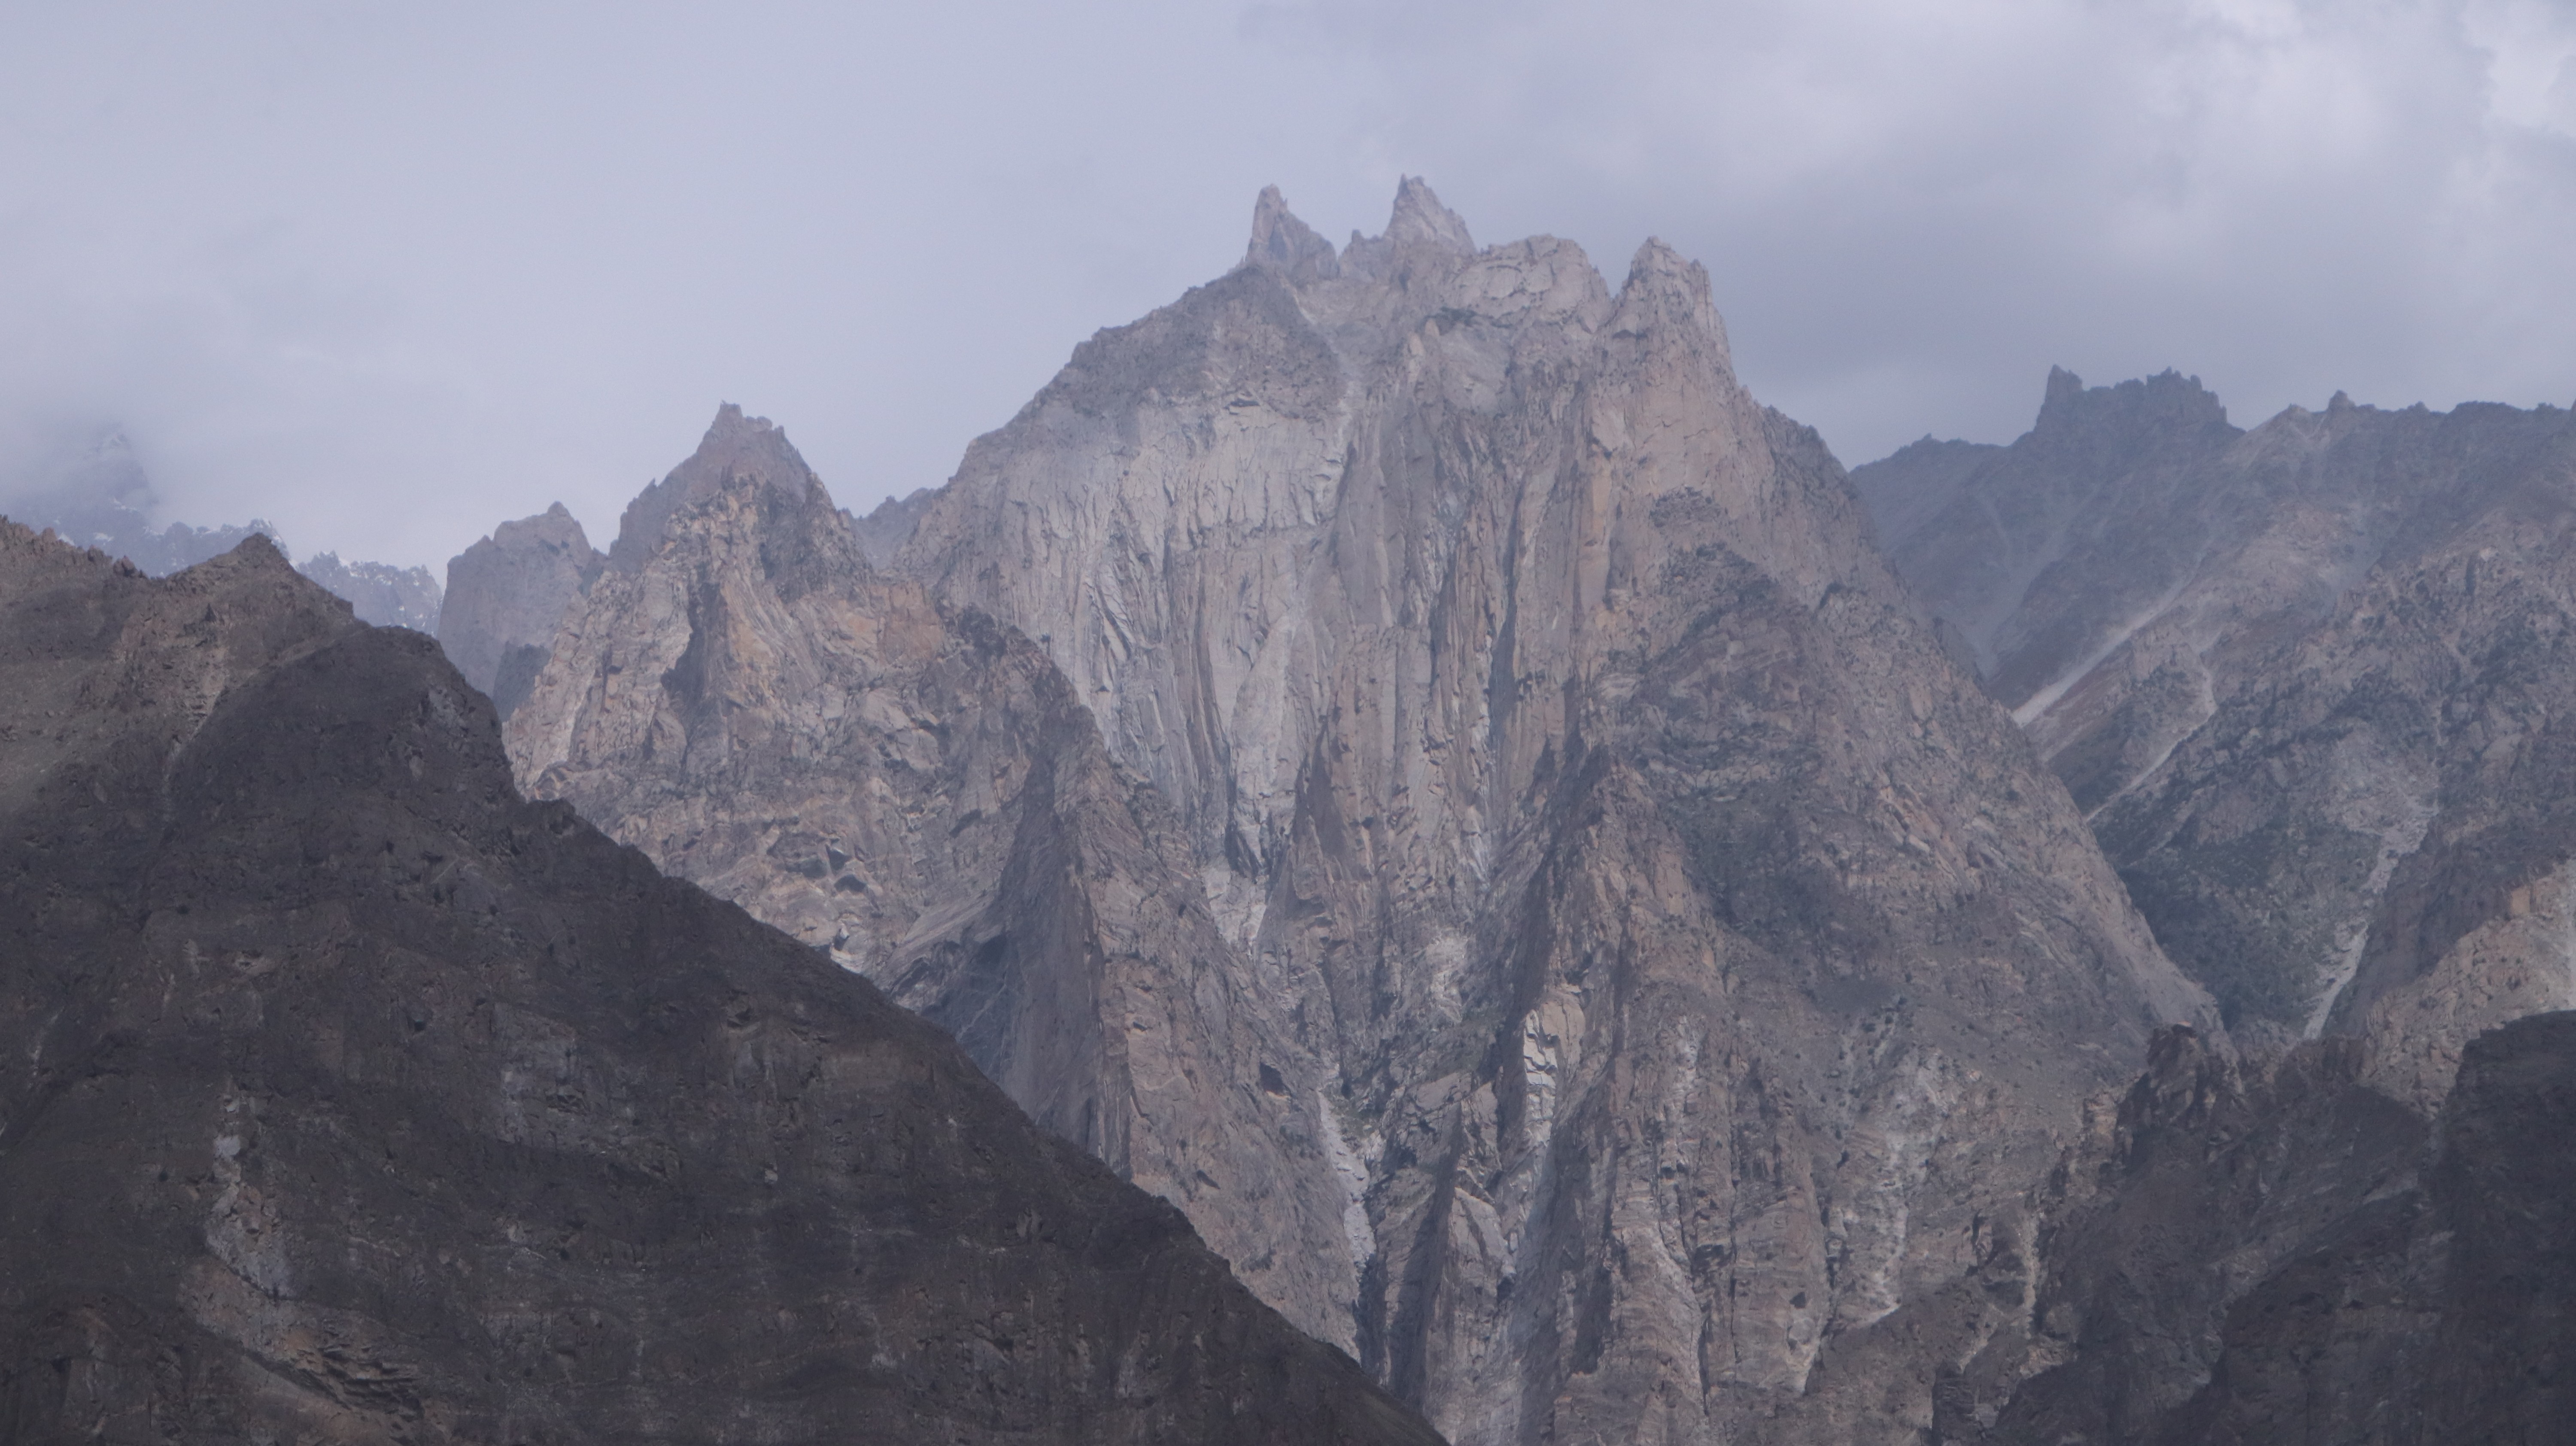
388 274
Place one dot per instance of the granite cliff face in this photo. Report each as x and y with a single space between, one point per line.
920 792
505 596
350 1097
1545 774
2313 694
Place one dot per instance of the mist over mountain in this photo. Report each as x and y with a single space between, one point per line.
386 278
97 495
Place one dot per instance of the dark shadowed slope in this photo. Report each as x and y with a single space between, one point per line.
2283 1256
350 1097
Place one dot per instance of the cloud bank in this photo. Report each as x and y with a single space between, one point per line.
387 275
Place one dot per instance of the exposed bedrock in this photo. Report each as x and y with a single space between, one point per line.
1648 939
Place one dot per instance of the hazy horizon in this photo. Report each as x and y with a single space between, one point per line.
388 278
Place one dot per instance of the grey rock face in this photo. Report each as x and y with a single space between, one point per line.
506 593
2214 1175
2288 1257
2290 671
883 532
1670 921
921 793
378 592
2042 558
2374 837
349 1097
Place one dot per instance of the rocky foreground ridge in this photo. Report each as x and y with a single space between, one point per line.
2280 1252
350 1097
1405 710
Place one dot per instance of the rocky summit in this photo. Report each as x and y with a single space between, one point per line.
1403 709
350 1097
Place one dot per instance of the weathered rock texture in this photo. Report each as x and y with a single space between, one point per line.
379 592
505 595
2309 677
1665 925
351 1098
922 793
2281 1255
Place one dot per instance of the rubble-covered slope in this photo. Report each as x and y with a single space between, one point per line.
351 1097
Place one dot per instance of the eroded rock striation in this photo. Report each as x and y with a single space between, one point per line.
2306 678
921 793
1542 764
351 1097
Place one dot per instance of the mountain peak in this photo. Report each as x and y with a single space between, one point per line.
1668 288
735 447
2168 400
1419 217
731 425
2063 387
1285 244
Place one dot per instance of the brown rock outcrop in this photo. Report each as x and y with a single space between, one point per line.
350 1097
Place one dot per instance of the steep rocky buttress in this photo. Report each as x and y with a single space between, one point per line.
1643 930
920 793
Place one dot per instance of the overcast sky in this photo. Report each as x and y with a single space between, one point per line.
388 274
